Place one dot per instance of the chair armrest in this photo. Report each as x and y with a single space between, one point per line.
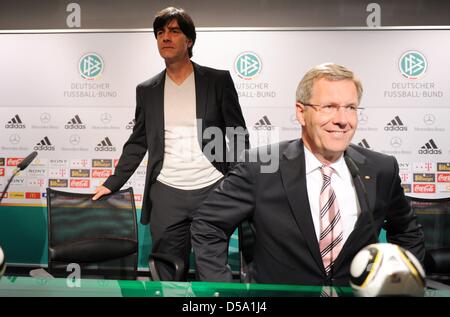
438 261
172 260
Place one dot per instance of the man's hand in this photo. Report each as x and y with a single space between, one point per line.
100 191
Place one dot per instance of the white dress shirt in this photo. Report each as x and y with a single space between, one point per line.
343 186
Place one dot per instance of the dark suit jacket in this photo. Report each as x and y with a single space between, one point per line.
286 249
217 105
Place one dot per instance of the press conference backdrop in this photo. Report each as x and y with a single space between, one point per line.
71 97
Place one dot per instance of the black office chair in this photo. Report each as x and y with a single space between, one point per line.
434 216
100 236
246 240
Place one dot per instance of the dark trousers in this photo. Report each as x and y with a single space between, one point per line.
170 222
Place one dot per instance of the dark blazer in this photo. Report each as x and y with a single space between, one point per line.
217 105
286 249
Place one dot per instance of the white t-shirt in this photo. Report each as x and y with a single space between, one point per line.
185 166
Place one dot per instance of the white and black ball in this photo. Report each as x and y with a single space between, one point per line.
385 269
2 262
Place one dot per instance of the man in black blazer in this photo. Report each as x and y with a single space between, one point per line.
182 117
295 242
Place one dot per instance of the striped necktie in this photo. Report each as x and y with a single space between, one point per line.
331 234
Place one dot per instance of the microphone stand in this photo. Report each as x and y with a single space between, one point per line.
21 166
15 172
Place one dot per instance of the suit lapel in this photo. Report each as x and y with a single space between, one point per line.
201 90
294 182
157 119
368 177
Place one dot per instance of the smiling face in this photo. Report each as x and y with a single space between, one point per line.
173 44
327 136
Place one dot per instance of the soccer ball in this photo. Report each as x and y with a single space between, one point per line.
385 269
2 263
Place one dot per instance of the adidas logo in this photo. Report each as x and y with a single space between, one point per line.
430 148
395 125
364 144
15 123
44 145
105 145
75 123
130 124
263 124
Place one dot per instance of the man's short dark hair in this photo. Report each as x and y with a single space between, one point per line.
184 21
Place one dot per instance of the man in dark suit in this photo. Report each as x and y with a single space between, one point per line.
179 114
310 217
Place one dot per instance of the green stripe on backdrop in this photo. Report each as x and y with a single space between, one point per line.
23 234
23 237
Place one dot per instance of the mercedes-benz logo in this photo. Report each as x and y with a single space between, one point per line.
45 117
105 118
396 142
363 118
14 139
429 119
74 139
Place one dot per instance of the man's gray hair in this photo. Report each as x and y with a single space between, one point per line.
329 71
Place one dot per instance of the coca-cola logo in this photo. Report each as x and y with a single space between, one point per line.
443 177
13 161
2 171
424 188
79 183
97 173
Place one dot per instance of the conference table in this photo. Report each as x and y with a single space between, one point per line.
20 286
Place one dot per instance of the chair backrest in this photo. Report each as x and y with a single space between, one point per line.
246 238
100 236
434 216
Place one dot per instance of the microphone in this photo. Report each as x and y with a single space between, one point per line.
26 161
354 171
20 167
